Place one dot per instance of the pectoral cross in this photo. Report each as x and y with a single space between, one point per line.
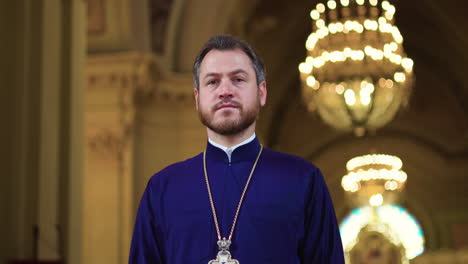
224 257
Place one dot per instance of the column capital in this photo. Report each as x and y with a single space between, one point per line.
118 78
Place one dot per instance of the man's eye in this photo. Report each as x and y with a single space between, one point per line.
238 80
212 82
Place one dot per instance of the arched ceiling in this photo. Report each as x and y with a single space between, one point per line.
192 23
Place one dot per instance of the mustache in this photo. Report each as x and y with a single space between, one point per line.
227 101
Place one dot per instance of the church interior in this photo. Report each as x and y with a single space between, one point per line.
98 96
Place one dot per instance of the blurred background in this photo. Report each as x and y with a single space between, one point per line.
97 96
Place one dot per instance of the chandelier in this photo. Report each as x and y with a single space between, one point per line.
356 73
374 179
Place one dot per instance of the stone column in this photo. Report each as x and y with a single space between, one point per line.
168 128
114 83
71 187
43 56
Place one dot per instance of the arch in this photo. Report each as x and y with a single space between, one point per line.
192 23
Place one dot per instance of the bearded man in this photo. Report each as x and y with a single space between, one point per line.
236 202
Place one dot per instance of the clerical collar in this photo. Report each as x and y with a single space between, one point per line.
230 150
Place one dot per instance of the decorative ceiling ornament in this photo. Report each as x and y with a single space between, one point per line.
356 74
374 179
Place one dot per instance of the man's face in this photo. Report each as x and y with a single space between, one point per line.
228 99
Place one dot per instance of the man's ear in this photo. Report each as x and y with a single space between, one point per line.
195 94
262 93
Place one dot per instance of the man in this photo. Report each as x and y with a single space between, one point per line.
236 202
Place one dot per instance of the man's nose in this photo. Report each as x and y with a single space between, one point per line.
226 89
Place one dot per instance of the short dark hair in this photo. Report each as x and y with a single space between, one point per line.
227 42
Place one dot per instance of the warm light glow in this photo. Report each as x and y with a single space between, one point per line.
314 14
357 41
320 23
382 21
393 221
351 178
340 89
376 200
371 24
321 8
389 83
391 185
349 96
380 169
407 64
399 77
311 41
365 98
393 162
385 5
311 81
305 68
388 15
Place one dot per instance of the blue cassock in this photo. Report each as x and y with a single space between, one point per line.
287 216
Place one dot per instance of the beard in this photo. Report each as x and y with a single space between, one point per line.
227 125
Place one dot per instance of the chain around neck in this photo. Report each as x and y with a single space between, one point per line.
215 217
